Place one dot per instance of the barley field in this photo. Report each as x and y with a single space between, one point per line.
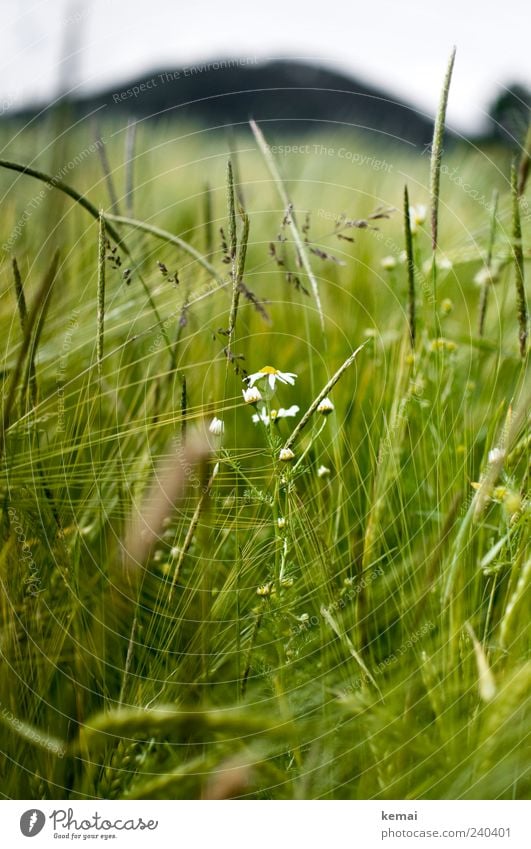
265 466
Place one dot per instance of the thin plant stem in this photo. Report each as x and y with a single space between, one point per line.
101 293
130 139
184 410
238 278
233 239
410 262
518 254
207 216
525 162
19 292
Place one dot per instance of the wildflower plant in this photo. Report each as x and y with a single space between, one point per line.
262 387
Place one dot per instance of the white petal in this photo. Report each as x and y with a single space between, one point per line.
272 380
291 411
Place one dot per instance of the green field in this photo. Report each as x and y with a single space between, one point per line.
184 614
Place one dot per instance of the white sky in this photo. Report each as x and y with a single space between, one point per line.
402 45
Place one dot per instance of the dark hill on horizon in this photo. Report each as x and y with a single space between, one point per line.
290 96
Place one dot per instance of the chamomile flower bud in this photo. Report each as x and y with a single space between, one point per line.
323 472
388 263
442 344
286 455
325 407
281 522
216 426
252 395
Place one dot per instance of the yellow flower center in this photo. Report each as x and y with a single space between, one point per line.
268 370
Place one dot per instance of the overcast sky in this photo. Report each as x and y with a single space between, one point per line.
401 45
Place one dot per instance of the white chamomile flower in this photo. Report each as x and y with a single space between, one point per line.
417 217
270 375
485 276
325 407
264 417
216 426
323 472
388 263
482 277
286 455
444 264
252 395
285 414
